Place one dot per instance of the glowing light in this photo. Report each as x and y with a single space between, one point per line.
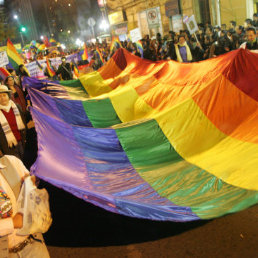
78 42
63 46
104 25
41 37
68 31
15 17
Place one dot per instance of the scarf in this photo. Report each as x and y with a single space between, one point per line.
188 52
5 125
5 205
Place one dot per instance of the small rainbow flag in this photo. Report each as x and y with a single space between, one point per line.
115 43
52 42
139 46
76 71
4 73
100 55
46 42
85 55
13 56
50 69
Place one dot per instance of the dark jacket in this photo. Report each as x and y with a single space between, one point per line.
3 142
65 71
253 45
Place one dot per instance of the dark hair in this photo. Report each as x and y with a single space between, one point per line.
233 23
10 70
6 79
241 28
249 21
251 29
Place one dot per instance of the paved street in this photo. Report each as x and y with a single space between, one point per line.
83 230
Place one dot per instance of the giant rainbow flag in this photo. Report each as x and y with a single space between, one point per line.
155 140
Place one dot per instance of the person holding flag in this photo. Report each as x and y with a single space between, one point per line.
84 56
98 59
65 70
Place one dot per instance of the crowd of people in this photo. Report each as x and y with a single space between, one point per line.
209 41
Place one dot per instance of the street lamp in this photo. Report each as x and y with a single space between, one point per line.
104 25
22 29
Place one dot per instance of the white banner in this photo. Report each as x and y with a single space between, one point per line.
192 25
152 16
135 35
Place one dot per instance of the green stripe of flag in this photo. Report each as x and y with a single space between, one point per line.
182 183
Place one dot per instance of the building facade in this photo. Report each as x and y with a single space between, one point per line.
152 16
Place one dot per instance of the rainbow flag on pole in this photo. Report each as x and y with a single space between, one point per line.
14 58
85 55
50 69
100 55
76 71
115 43
139 46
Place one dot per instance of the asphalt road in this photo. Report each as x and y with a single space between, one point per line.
80 229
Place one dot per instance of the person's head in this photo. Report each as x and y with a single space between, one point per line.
255 17
12 72
223 26
230 33
239 29
217 28
209 30
232 24
223 33
22 68
251 34
5 95
63 59
171 34
248 23
181 39
9 81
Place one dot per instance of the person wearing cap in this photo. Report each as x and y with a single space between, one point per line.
65 70
12 125
12 244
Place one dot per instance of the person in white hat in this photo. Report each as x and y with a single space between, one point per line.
12 125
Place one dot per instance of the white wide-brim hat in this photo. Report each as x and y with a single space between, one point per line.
4 89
